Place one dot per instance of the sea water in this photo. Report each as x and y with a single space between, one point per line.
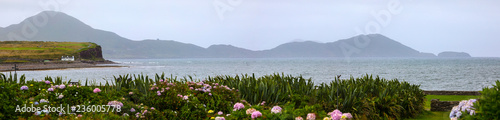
470 74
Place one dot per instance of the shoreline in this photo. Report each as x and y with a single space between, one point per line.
55 65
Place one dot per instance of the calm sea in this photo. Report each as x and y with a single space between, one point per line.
430 73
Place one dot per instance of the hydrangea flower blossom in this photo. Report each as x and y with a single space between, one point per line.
238 106
346 116
220 113
96 90
276 109
299 118
336 114
220 118
24 87
62 86
311 116
256 114
115 103
250 110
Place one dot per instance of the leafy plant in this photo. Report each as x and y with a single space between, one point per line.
488 107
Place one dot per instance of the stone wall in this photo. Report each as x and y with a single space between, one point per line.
437 105
452 93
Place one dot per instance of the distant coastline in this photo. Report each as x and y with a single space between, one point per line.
6 67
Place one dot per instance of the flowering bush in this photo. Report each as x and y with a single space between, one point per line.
144 98
487 106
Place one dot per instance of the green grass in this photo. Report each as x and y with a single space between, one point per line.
75 44
22 48
447 98
440 115
15 61
38 50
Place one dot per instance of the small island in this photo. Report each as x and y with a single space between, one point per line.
453 54
40 55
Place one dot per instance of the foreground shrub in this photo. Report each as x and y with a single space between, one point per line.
221 97
364 97
488 105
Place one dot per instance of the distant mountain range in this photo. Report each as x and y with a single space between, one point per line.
58 26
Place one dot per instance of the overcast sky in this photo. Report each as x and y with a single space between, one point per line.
433 26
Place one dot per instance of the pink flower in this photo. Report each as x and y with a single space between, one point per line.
62 86
256 114
299 118
238 106
336 114
250 110
185 97
115 103
210 94
220 118
50 89
24 87
47 82
96 90
311 116
161 80
263 102
130 93
220 113
276 109
132 110
79 115
61 96
347 115
191 88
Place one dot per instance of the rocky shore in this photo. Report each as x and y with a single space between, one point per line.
56 65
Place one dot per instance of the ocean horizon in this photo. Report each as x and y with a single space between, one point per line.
460 74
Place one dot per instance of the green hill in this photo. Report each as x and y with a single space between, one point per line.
37 51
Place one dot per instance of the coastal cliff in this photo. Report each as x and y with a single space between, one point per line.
40 51
92 54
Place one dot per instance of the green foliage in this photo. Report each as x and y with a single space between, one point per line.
8 93
274 89
488 105
173 98
364 97
12 78
31 51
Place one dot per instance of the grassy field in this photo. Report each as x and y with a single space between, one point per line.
38 50
438 115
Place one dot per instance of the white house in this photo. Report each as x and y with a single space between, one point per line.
67 58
